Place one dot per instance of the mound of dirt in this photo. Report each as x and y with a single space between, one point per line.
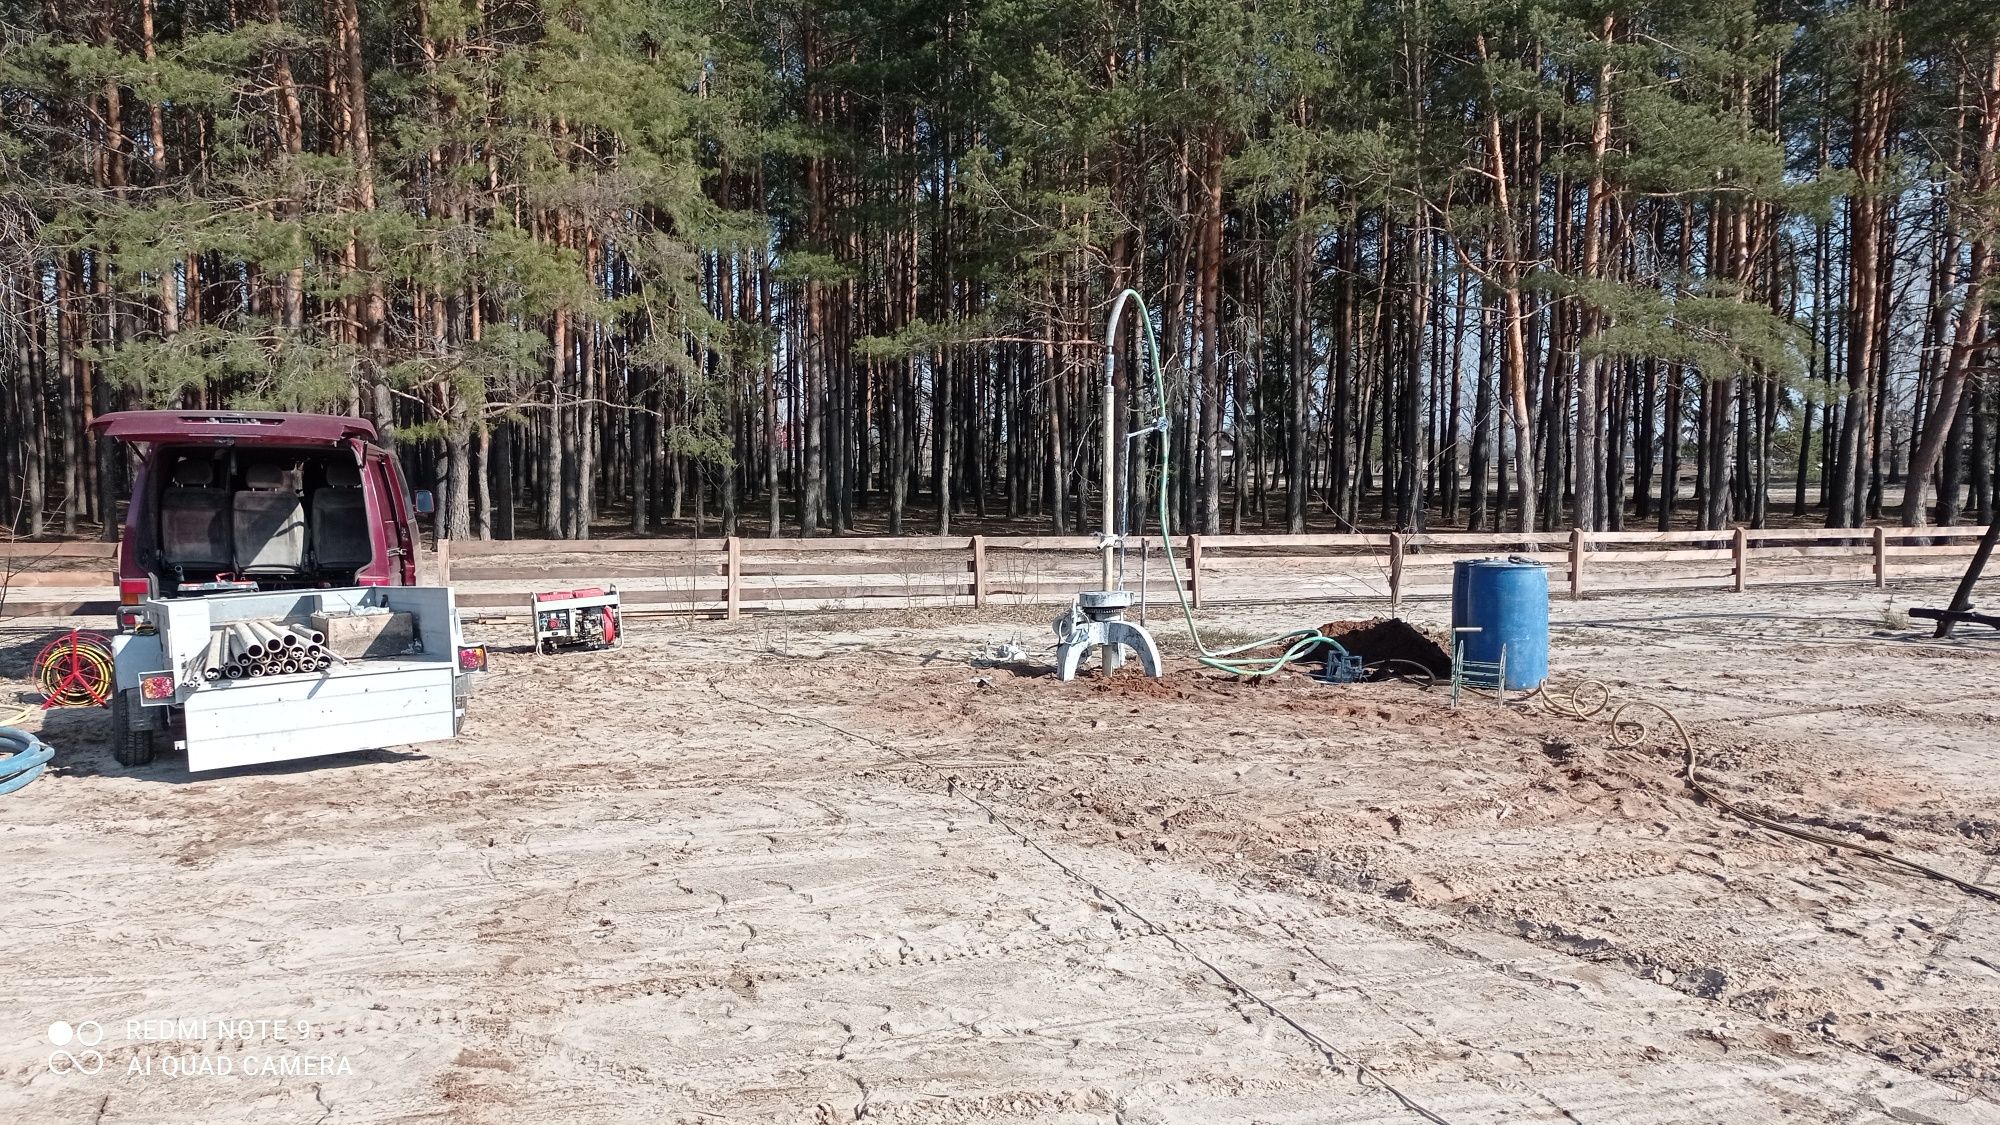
1390 638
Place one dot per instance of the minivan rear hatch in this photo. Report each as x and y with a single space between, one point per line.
231 428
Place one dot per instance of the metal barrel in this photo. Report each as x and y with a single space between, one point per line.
1507 602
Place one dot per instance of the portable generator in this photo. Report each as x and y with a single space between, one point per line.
575 619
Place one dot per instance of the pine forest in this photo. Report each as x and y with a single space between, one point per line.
775 267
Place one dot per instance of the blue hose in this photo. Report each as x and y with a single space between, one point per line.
26 757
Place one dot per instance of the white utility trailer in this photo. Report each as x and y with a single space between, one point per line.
361 702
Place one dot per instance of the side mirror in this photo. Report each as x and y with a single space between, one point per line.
423 501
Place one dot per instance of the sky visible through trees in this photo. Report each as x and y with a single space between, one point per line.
649 266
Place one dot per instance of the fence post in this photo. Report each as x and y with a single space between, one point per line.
1395 571
1575 563
1194 571
1881 556
1738 550
733 581
979 572
444 562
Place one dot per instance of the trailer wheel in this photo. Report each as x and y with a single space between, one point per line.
132 748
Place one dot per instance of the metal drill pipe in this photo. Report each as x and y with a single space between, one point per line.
1111 442
211 657
246 638
272 641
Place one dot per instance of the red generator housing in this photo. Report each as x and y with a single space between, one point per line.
585 619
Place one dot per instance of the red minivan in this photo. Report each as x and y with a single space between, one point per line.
229 500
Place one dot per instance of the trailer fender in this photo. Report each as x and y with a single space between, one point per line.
133 654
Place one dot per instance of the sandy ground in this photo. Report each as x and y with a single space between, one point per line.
825 869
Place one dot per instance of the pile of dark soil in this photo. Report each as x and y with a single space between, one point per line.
1390 638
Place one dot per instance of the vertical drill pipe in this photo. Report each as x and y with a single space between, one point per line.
1112 444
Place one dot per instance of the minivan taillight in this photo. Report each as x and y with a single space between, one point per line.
132 591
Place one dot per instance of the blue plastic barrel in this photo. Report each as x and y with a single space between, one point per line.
1507 601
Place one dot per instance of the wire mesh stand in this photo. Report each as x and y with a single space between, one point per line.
1096 619
1487 674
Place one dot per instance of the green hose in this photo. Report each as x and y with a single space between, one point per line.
1299 644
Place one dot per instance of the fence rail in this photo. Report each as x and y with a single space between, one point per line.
732 576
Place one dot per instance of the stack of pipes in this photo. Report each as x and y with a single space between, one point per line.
264 648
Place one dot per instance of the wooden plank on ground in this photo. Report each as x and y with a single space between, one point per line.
86 608
66 549
21 578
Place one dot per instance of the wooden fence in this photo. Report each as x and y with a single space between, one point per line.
729 577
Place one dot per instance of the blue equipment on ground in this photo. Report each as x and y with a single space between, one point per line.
27 756
1500 618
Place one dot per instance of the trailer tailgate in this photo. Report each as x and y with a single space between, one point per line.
361 706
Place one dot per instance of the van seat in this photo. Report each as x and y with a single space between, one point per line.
340 521
270 523
194 518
